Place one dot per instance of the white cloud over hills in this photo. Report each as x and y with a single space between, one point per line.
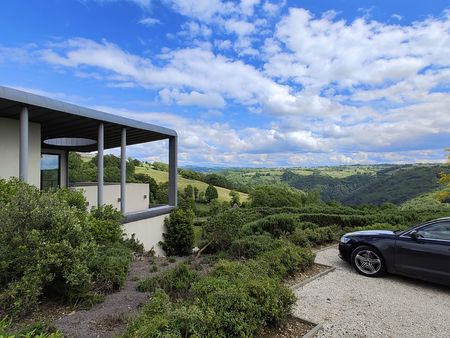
333 91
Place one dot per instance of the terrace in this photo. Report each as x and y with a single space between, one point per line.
36 130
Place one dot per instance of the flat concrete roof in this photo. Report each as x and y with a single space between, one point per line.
59 119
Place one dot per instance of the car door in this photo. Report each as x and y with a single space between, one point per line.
427 256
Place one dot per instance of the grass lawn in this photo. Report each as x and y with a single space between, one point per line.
162 176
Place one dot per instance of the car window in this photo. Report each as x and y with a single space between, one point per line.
436 231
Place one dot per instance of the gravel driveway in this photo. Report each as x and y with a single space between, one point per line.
351 305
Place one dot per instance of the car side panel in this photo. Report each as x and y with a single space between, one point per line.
423 259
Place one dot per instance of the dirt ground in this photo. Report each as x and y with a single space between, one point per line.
108 319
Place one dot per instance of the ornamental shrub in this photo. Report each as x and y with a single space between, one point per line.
105 225
276 225
222 229
179 235
286 260
316 236
109 267
176 282
253 245
48 248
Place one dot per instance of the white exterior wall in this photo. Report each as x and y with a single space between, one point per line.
137 195
148 231
9 150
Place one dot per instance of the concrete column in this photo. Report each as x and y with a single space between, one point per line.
123 170
23 145
66 169
173 175
101 145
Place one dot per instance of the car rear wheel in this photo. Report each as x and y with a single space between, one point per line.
368 261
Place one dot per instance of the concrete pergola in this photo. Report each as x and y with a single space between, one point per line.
69 127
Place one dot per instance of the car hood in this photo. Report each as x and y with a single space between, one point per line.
370 233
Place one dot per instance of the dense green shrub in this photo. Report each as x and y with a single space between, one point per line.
44 244
315 236
276 225
176 282
221 230
105 225
252 246
286 260
109 267
179 235
233 301
48 248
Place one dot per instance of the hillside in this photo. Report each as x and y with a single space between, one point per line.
163 176
352 185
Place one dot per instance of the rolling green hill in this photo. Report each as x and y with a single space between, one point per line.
163 176
395 185
352 184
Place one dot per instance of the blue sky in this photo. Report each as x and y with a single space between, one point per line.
250 82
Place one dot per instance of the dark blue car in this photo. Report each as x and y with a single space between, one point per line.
422 251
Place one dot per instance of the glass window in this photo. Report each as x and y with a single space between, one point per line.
50 171
436 231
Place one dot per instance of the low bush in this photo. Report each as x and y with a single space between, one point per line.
176 282
109 267
252 246
179 235
222 229
314 236
286 260
276 225
35 330
105 225
233 301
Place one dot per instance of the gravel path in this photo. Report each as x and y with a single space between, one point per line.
108 319
351 305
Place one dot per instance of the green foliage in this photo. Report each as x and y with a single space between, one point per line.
222 229
395 184
235 198
179 235
109 267
35 330
276 225
189 191
276 196
444 179
314 236
177 282
162 194
81 171
233 301
253 246
133 244
160 166
211 193
286 260
48 247
105 225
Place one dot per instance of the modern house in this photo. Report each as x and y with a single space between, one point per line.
37 133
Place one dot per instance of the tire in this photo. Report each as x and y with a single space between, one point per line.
368 261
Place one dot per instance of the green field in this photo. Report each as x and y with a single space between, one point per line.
162 176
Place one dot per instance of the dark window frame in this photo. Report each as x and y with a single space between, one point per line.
59 168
